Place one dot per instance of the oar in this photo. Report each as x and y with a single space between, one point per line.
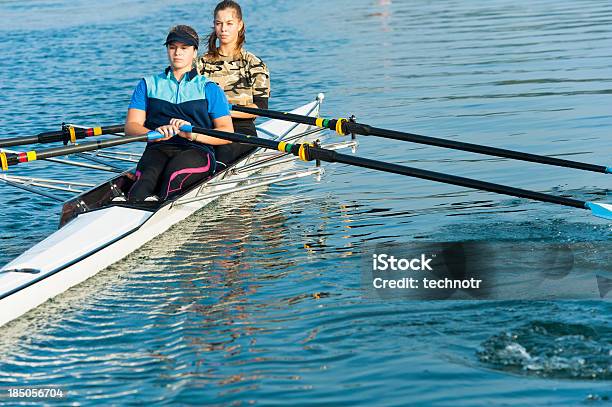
309 152
67 134
10 159
345 126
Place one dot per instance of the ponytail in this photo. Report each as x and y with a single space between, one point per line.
213 50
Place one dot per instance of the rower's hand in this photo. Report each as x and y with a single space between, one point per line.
178 123
167 131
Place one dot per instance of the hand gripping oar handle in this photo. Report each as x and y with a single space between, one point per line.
10 159
67 134
344 126
308 152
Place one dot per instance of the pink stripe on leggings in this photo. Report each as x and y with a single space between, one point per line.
189 171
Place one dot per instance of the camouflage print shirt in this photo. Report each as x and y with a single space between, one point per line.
244 78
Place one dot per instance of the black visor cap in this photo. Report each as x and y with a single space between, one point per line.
185 38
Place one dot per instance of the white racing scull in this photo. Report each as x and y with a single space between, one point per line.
95 232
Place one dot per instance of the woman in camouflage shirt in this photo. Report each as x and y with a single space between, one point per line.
243 76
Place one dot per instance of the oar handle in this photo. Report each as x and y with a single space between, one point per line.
154 135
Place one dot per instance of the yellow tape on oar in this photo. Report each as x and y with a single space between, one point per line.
97 131
319 122
339 127
31 155
281 146
72 134
303 152
3 162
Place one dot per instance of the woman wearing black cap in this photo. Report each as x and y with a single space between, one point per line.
244 77
166 101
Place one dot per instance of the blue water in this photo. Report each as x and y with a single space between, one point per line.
257 299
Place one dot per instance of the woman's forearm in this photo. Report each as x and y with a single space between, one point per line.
135 129
241 115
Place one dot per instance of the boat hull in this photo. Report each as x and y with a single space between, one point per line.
51 267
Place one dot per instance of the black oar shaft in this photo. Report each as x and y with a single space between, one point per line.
333 156
89 146
18 141
237 138
68 133
10 159
480 149
291 117
366 130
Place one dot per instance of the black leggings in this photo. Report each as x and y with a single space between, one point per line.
168 169
228 153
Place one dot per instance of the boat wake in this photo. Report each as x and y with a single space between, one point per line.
552 349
